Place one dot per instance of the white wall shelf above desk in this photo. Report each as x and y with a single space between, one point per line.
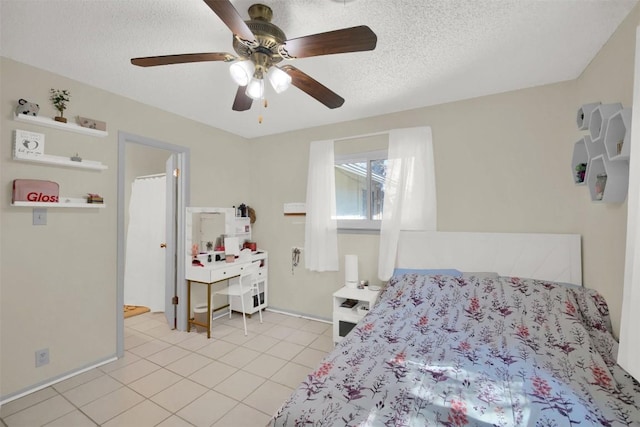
66 202
61 161
49 122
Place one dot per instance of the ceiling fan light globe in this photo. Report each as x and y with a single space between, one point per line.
255 89
279 79
241 72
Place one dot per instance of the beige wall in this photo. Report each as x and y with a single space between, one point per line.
503 163
499 167
58 282
609 78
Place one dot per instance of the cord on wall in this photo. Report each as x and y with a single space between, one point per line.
295 258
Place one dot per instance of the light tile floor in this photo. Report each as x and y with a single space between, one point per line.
173 379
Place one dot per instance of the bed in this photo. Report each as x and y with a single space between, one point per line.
481 348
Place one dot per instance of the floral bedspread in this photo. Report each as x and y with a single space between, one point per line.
441 350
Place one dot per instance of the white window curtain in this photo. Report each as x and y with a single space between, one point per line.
629 348
321 230
409 192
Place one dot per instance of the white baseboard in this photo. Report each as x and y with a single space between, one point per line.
294 314
50 382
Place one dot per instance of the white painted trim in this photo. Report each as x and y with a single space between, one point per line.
629 348
362 156
363 135
293 314
55 381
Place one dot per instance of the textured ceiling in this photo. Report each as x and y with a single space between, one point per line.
428 52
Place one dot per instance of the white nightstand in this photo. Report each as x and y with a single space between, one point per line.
345 318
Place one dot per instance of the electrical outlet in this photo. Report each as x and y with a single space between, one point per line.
39 216
42 357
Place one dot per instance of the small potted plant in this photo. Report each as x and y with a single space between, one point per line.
581 170
59 98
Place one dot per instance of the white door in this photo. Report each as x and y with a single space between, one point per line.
144 272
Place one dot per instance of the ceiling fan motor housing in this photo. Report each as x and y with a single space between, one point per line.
268 35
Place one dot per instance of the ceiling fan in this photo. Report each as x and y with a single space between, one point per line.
261 45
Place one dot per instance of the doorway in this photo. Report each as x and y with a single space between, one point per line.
177 173
145 241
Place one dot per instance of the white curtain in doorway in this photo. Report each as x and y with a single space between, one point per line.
144 272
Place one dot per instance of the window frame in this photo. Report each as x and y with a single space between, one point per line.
361 225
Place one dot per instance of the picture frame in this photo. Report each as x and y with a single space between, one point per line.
28 144
88 123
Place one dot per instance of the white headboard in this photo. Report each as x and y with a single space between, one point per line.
553 257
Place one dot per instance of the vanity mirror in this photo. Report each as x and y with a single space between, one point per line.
206 227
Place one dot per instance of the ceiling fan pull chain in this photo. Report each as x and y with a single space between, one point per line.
265 104
260 117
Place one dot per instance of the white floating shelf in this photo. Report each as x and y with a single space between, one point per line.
617 179
584 115
49 122
600 118
605 151
617 139
594 147
65 202
580 156
61 161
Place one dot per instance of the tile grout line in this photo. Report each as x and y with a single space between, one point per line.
315 333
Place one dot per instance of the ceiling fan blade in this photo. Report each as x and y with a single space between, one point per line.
312 87
232 19
151 61
355 39
242 101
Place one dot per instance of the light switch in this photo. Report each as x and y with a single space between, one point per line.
39 216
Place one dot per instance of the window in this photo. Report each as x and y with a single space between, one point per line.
360 189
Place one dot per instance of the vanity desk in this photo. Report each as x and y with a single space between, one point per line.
217 271
203 227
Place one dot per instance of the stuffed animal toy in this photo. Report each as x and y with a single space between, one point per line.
28 108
